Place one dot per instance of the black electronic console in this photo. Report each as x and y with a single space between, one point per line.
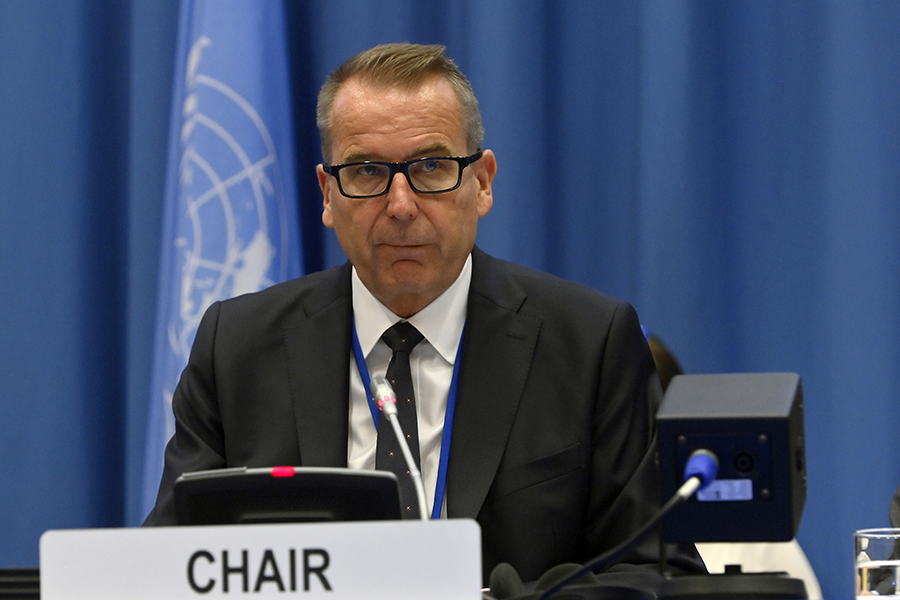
20 584
753 424
731 456
285 495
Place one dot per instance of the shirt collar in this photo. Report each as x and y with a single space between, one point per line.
441 322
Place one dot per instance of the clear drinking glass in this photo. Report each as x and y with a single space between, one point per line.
877 562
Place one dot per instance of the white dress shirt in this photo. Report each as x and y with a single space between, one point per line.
431 364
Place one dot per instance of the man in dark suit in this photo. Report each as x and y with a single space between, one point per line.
549 384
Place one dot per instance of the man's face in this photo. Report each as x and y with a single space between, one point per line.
407 247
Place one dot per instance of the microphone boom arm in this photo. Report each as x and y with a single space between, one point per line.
384 396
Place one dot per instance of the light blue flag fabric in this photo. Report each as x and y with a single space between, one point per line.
230 218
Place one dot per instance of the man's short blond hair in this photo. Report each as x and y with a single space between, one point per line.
400 65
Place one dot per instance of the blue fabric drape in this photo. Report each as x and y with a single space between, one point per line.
727 167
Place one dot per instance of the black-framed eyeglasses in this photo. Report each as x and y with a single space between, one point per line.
432 175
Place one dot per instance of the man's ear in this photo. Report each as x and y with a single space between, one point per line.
325 183
485 170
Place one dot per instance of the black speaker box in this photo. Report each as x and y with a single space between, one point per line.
753 423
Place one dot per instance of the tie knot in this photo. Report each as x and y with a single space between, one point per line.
402 337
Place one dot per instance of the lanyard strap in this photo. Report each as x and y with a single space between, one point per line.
441 486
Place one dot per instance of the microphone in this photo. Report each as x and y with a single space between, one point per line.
505 582
386 399
701 470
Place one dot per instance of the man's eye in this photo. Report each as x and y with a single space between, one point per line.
370 170
428 166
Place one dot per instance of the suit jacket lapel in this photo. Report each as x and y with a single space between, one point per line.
317 345
497 353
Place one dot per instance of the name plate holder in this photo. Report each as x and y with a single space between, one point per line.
377 559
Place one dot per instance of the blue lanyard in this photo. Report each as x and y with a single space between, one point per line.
441 486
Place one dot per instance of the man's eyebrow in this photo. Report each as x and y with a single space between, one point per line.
356 157
438 149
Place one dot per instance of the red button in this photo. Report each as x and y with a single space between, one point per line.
283 471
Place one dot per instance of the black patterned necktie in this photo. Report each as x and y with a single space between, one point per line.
401 339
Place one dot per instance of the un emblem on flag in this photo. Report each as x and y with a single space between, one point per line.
230 239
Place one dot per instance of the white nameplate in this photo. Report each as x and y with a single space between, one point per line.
339 561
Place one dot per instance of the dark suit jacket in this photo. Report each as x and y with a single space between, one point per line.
553 439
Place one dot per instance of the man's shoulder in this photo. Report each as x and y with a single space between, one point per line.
538 286
313 292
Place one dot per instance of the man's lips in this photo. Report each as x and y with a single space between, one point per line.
401 245
402 251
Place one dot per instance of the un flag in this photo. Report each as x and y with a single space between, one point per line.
230 218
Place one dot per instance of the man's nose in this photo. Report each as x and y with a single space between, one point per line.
402 199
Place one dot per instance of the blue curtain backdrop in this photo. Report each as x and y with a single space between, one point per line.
728 167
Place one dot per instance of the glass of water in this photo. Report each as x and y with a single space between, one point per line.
877 562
